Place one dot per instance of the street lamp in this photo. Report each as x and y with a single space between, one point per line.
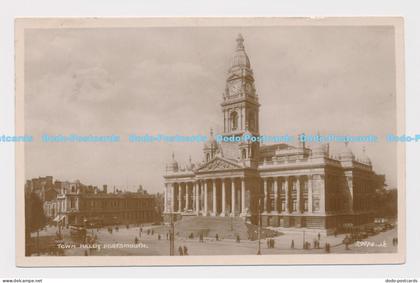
172 235
259 225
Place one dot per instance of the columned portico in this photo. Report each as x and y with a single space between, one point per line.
207 197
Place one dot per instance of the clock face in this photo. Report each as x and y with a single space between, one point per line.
235 88
248 88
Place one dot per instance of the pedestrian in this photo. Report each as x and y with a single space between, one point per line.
268 243
293 244
181 251
185 250
272 243
159 237
238 239
136 240
327 248
217 237
319 236
346 242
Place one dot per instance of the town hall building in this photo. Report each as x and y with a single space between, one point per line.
288 186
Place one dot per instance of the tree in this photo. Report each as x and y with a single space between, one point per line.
34 216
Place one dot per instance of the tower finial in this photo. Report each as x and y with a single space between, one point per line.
240 42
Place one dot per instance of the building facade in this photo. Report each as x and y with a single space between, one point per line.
289 186
73 203
106 209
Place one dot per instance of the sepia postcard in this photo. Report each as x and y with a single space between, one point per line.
209 141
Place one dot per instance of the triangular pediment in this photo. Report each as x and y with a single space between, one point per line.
219 164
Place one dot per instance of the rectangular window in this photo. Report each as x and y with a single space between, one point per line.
315 205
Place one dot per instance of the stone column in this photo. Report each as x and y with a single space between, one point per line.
276 194
187 196
223 198
233 189
179 197
310 194
193 196
172 197
286 194
165 198
298 194
322 194
265 195
197 197
213 187
243 210
205 197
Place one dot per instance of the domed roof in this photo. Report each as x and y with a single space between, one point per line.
173 165
211 143
240 58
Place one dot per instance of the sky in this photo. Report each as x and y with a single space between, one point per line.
170 80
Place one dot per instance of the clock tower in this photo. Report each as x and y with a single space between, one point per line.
240 106
240 101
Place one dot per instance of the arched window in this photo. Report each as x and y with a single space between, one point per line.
234 121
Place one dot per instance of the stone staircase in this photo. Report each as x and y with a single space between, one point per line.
224 227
